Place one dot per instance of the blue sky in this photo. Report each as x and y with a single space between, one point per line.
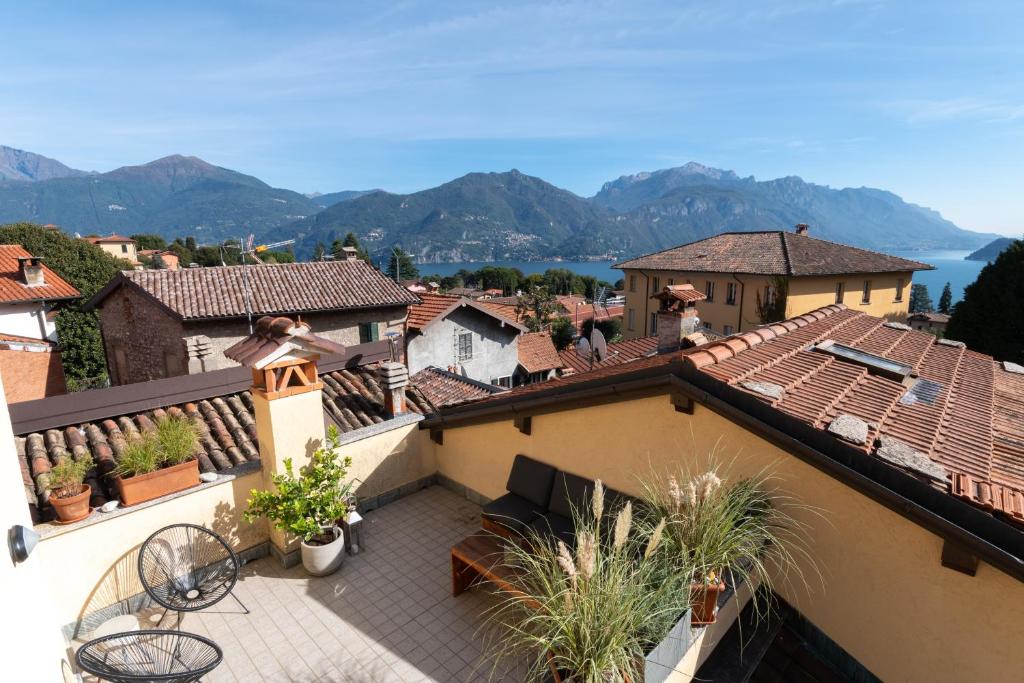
924 99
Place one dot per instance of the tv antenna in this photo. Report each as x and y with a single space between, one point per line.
252 252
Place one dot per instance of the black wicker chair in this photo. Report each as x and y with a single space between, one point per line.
186 568
165 656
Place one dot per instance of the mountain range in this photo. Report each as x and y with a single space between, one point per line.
478 217
990 251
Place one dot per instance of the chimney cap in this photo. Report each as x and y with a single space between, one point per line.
802 228
350 253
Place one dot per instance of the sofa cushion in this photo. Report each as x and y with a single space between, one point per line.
556 527
512 511
531 479
570 491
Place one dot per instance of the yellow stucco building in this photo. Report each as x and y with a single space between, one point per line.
743 273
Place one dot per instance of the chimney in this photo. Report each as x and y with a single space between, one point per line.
32 270
801 229
349 253
677 316
394 378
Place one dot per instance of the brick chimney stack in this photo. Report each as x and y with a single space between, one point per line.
32 270
801 228
677 316
394 378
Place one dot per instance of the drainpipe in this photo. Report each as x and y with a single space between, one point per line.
739 317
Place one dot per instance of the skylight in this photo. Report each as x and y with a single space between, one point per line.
876 365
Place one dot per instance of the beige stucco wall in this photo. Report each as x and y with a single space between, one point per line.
805 294
886 598
32 647
809 293
387 461
89 568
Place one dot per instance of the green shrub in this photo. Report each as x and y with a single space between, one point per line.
177 439
68 476
304 505
173 442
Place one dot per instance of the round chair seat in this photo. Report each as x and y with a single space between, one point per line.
185 567
166 656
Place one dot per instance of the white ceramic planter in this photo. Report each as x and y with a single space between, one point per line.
321 560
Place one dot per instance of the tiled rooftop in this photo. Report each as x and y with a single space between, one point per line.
387 616
537 352
444 388
618 353
218 292
967 420
12 284
433 306
352 399
771 253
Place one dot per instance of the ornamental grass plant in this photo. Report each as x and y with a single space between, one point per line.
592 611
67 478
172 442
716 524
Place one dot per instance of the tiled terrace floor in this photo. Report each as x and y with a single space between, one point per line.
386 615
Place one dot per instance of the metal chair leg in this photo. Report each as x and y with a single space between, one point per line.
241 604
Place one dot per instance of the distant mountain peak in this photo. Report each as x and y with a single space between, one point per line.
17 164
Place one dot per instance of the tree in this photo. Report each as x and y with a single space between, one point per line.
88 268
184 253
611 328
990 318
946 299
149 241
401 267
158 262
920 301
562 333
772 308
319 251
536 307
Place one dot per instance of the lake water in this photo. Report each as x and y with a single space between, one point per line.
950 266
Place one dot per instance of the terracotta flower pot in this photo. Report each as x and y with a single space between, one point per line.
72 508
559 676
143 487
704 602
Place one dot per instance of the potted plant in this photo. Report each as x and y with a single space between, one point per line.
308 505
69 494
590 614
713 528
159 462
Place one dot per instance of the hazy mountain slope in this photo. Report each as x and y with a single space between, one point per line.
174 196
480 216
693 201
332 198
17 164
990 251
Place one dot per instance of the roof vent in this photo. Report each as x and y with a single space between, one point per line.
876 365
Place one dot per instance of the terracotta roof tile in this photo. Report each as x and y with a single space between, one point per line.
12 284
433 306
618 353
352 398
202 293
537 352
771 253
108 238
968 418
443 388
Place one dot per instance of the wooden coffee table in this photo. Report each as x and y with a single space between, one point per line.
479 558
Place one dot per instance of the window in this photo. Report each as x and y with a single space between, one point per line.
502 381
632 283
726 330
899 289
730 294
709 290
655 285
840 291
124 248
465 345
769 295
368 332
631 319
865 297
707 325
671 282
654 324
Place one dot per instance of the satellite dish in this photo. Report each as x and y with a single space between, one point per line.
583 348
600 345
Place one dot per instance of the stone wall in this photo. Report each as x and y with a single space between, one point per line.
141 340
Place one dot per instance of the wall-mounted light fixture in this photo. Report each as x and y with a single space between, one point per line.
21 541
